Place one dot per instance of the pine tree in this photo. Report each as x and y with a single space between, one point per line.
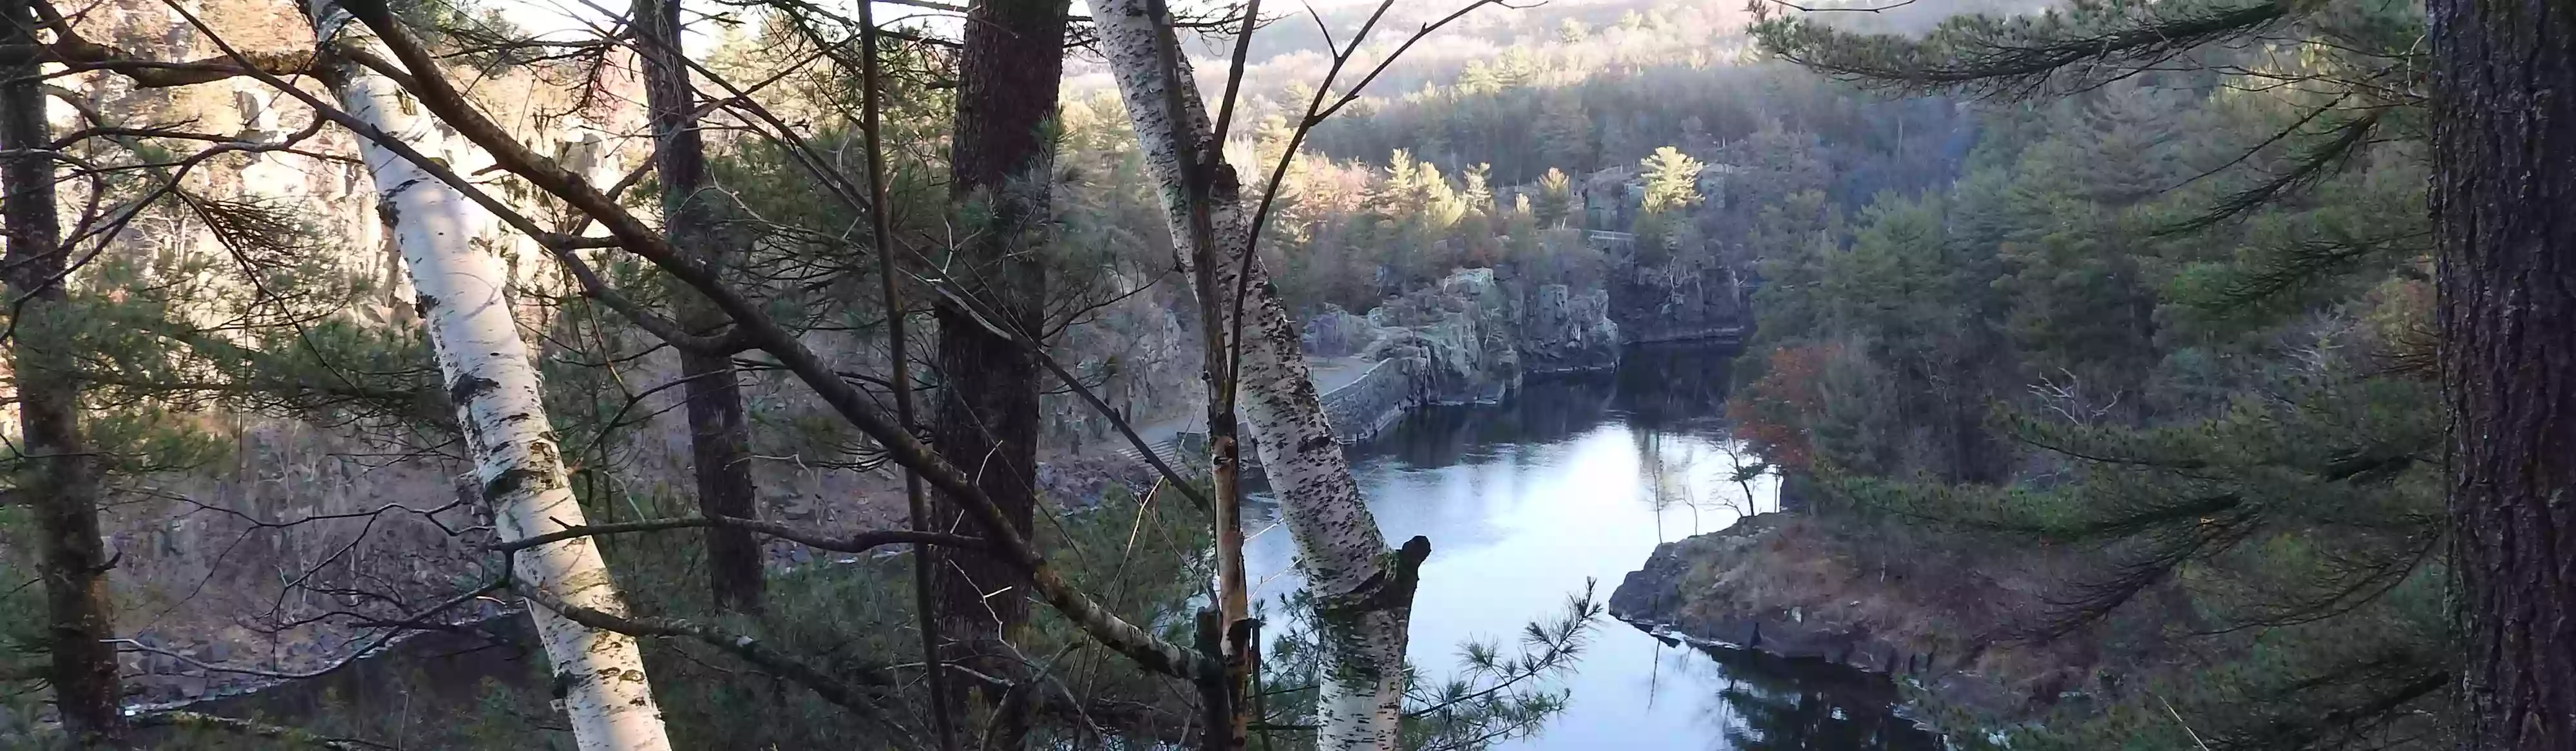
1572 31
1479 196
1672 181
1556 204
1001 165
56 470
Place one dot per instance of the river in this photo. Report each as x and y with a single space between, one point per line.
1574 478
1577 478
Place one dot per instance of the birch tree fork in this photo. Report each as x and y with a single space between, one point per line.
1363 590
493 384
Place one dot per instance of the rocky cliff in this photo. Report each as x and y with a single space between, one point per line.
1473 336
1789 585
1679 300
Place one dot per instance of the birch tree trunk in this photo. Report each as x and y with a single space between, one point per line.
60 479
1364 591
598 674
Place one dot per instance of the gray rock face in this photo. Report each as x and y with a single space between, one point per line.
1473 337
1372 403
1562 331
1463 332
1678 300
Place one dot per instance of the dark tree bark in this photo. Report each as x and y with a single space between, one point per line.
59 476
987 417
719 437
2504 151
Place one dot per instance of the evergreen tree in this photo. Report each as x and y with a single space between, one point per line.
1565 134
1672 181
1556 204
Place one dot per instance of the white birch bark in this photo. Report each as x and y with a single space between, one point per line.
1365 589
498 403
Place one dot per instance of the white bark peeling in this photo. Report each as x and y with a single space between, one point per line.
498 403
1339 548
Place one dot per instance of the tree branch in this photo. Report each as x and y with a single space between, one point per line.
855 542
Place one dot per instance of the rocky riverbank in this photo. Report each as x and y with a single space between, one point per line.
1470 339
1790 585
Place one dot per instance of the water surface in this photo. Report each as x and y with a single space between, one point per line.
1577 478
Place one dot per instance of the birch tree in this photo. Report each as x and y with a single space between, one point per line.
1363 590
492 382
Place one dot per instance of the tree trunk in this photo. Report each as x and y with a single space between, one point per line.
2504 151
719 436
59 476
1364 592
987 418
599 674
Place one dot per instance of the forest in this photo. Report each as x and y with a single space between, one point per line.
1006 374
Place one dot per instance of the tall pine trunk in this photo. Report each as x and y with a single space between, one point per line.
2504 150
58 477
987 418
493 383
719 436
1363 590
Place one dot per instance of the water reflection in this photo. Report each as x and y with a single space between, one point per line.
1580 477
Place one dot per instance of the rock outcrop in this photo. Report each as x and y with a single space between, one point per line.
1563 332
1373 402
1473 336
1789 585
1680 299
1463 332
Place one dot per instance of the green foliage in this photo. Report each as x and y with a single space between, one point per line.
2188 311
1493 695
2019 55
24 640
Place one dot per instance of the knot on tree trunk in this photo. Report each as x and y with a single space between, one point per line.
1391 588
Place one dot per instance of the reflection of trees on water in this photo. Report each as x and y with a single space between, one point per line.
1666 473
1545 410
1671 397
1670 388
1770 703
1673 387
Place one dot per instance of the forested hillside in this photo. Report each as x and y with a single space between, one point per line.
2141 409
2185 374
